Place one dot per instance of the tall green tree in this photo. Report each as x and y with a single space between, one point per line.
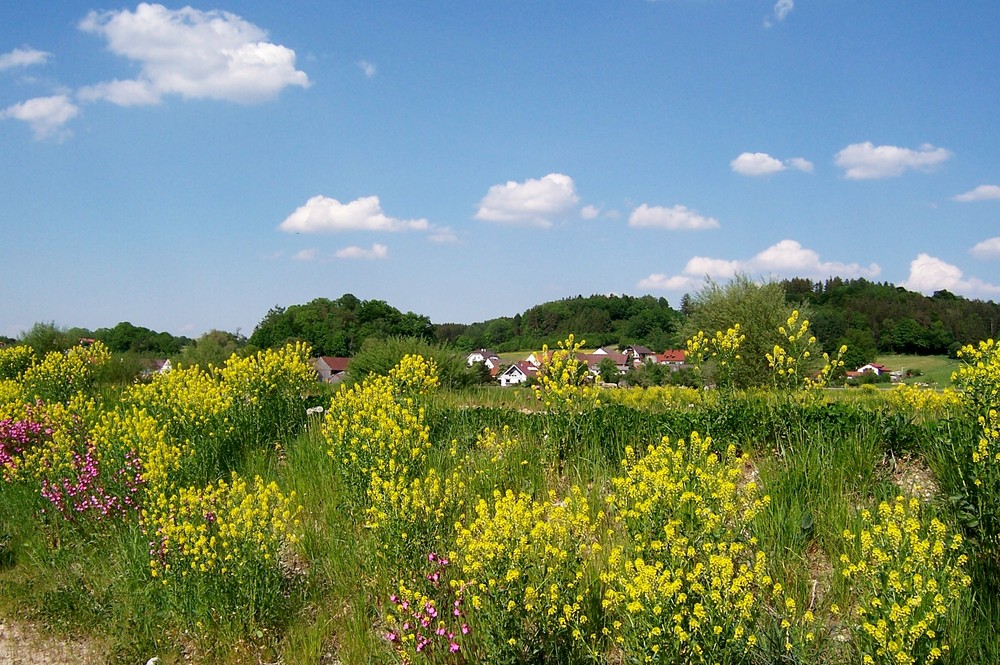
760 309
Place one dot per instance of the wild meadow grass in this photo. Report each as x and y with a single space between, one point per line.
206 517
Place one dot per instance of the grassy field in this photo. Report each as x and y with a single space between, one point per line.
935 371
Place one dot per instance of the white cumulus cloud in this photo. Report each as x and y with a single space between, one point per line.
761 163
981 193
590 212
322 214
305 255
46 115
535 201
23 57
865 161
674 219
987 249
192 53
377 251
929 274
787 258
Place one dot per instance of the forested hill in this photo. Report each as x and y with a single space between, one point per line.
882 317
599 320
869 317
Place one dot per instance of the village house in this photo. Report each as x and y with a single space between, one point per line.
675 357
486 356
638 354
330 369
518 373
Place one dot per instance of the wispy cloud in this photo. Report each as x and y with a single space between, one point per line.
367 68
535 202
45 115
929 274
191 53
987 249
782 8
787 258
23 57
305 255
677 218
981 193
865 161
376 251
761 164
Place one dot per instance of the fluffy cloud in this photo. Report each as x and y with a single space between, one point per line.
46 115
321 214
761 163
377 251
367 68
864 161
534 202
305 255
981 193
590 212
787 258
987 249
676 218
23 57
195 54
929 274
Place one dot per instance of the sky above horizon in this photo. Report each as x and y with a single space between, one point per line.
188 167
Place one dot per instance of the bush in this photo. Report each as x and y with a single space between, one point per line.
378 356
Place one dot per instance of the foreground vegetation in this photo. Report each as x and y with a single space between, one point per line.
205 516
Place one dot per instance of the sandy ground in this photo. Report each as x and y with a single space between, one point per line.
21 645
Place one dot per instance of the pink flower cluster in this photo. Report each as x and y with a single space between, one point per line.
85 493
431 630
17 436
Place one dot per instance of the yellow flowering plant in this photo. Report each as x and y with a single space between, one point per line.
907 577
14 360
523 568
791 360
268 390
566 390
978 454
689 583
60 375
720 352
223 541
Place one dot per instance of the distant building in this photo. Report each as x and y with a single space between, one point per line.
518 373
330 369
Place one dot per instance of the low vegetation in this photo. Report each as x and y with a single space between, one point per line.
205 516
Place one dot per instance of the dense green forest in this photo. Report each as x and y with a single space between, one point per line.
883 318
601 320
338 327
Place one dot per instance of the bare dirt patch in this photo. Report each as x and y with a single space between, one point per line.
23 644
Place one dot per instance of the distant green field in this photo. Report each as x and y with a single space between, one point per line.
934 370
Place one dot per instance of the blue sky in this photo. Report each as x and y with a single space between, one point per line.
187 168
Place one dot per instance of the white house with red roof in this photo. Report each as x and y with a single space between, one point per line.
518 373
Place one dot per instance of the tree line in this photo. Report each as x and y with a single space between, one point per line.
869 317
